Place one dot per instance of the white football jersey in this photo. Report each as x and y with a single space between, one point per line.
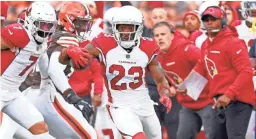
245 33
16 64
125 72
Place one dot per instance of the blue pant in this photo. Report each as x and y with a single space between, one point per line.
237 116
191 121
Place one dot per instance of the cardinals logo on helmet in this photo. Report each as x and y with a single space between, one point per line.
211 67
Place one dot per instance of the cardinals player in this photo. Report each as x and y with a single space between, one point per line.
8 127
21 47
66 114
127 56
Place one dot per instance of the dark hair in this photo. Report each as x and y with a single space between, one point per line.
164 23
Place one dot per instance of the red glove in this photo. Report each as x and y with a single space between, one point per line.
79 56
166 101
164 91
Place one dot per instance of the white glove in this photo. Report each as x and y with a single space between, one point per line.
48 87
67 41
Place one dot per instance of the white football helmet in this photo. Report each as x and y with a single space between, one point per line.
207 4
247 10
128 15
108 16
40 20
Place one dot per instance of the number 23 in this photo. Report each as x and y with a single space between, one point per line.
121 74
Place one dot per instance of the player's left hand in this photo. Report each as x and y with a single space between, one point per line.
222 101
72 98
47 86
166 101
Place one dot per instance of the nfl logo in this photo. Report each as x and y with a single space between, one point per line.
127 56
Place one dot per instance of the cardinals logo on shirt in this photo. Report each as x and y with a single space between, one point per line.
175 78
211 67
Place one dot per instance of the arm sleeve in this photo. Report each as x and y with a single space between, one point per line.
97 76
56 72
43 66
240 60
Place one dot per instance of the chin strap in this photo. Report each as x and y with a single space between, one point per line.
128 50
39 43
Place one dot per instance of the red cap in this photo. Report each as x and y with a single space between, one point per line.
4 9
192 12
213 11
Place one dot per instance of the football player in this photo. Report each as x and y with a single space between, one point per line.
66 114
127 56
21 47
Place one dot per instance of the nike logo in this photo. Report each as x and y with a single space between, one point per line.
169 64
186 49
215 52
10 32
239 51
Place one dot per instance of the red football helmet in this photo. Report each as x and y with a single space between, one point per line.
4 9
75 18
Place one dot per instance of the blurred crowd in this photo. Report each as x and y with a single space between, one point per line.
175 9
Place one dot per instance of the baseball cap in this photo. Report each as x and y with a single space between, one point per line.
215 11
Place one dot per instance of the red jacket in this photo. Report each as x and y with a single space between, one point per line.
178 62
228 67
81 81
